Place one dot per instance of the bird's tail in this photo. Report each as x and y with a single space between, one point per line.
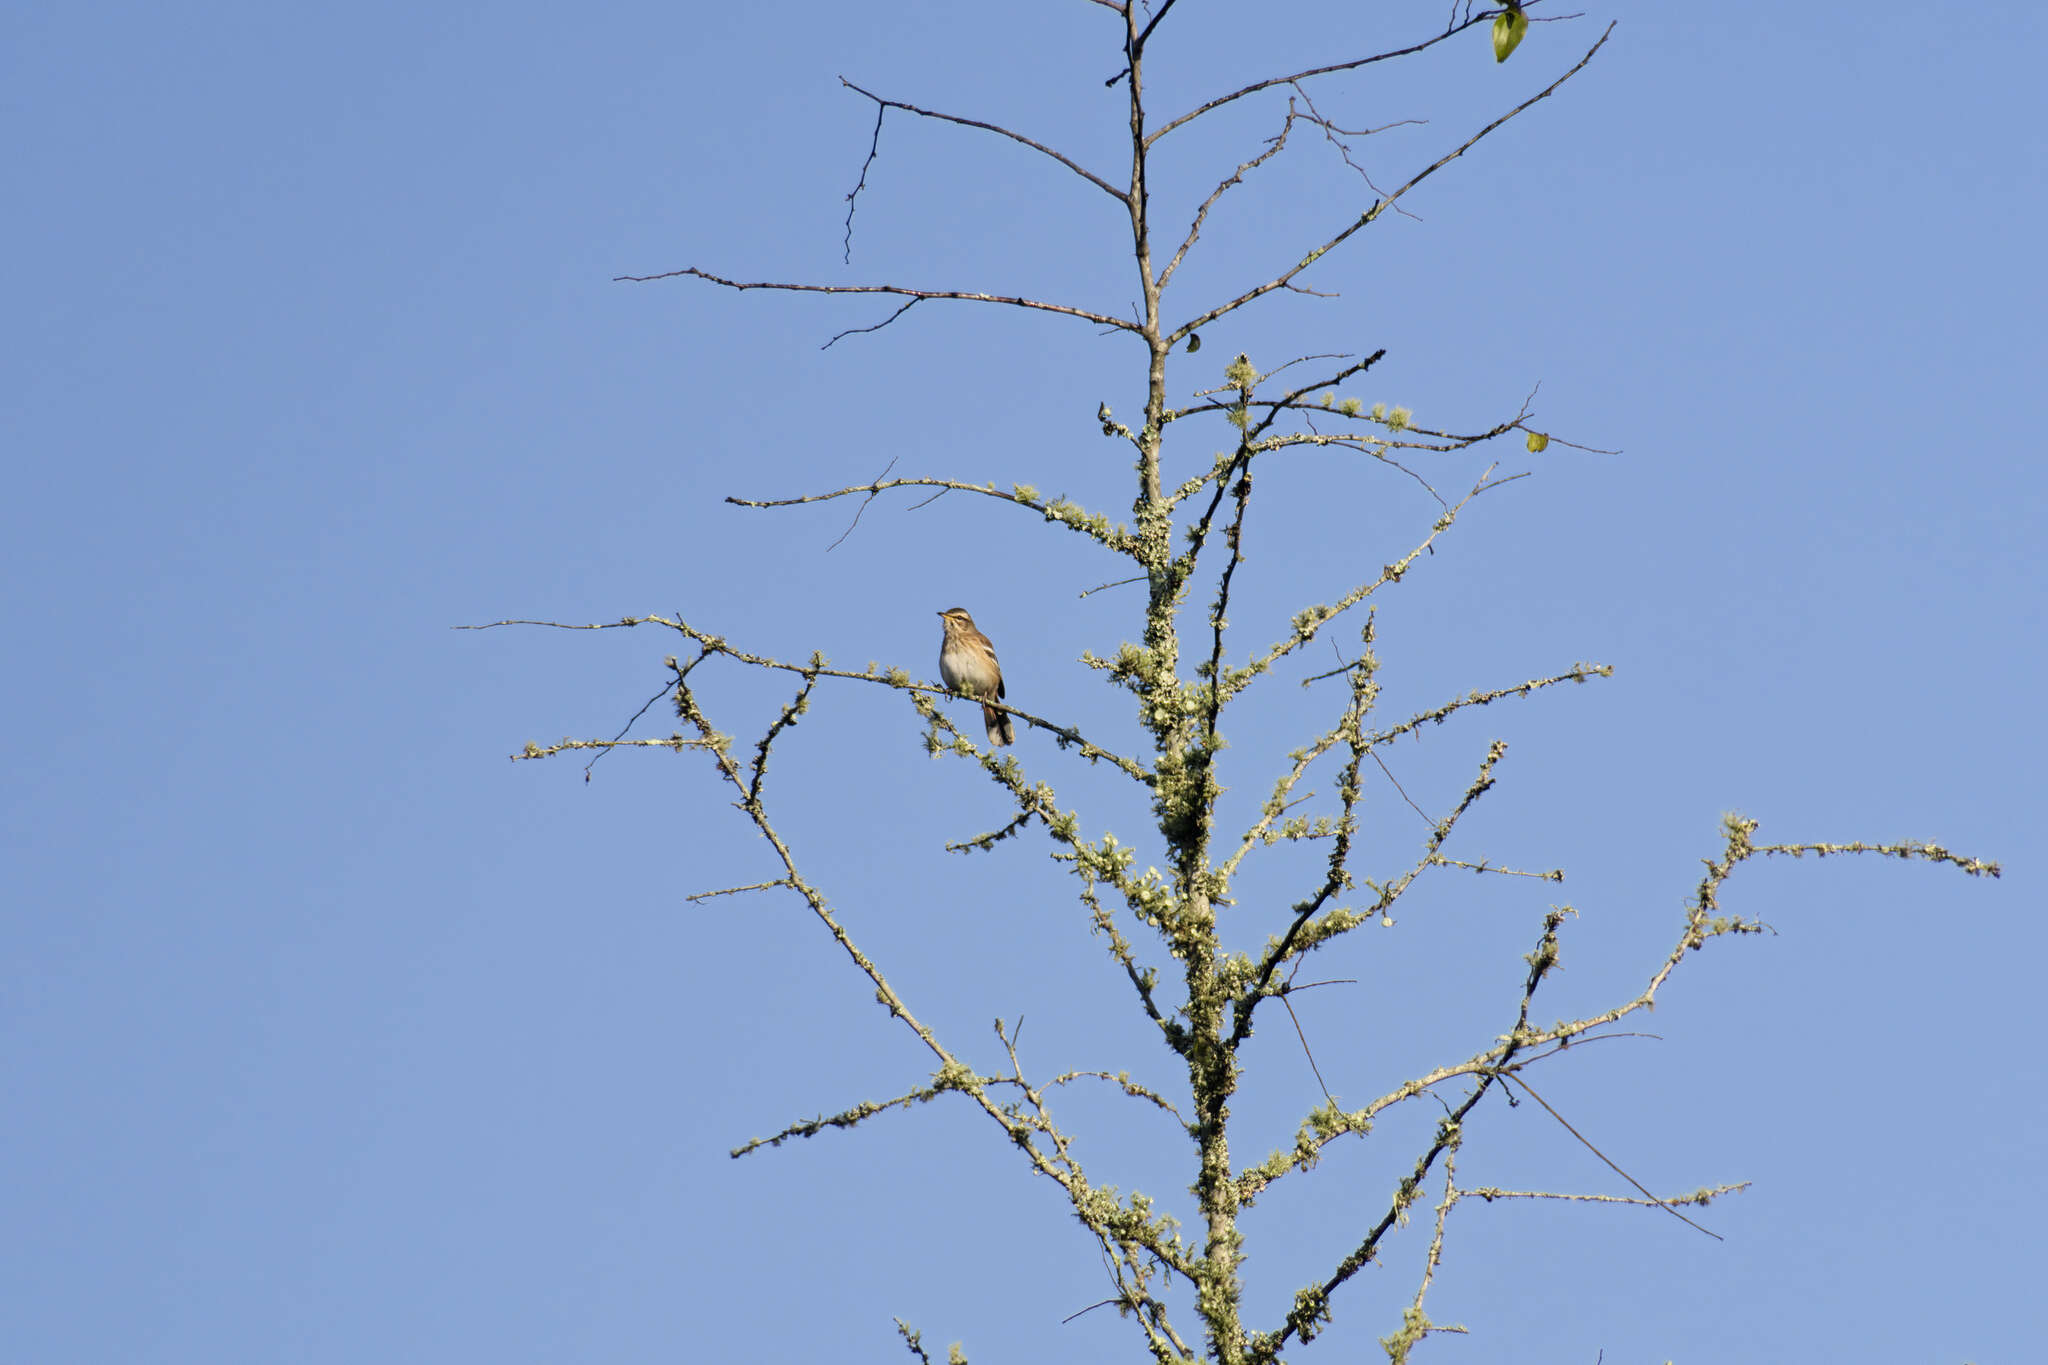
1000 731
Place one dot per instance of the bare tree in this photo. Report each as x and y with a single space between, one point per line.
1200 966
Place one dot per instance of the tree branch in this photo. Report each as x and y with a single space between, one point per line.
1100 319
1274 145
1000 131
1310 74
894 678
1094 525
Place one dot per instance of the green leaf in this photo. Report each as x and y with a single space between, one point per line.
1508 28
1538 442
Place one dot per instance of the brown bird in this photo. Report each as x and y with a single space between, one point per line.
967 663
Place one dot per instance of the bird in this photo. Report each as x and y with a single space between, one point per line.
967 662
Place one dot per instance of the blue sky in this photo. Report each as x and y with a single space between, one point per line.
329 1035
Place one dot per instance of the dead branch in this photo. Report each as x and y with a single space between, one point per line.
961 295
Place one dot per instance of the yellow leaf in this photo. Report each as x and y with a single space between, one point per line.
1508 28
1538 442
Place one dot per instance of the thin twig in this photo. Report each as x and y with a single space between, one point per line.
607 748
1300 76
1403 790
1383 205
1274 145
1075 518
1121 582
1321 1084
853 195
1604 1159
962 295
1064 160
857 331
870 498
738 890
